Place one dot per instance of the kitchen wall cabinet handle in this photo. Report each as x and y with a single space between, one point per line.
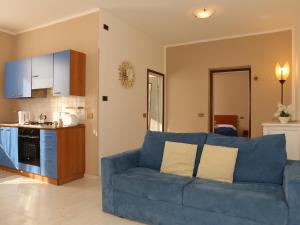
35 76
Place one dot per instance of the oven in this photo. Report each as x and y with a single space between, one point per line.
29 146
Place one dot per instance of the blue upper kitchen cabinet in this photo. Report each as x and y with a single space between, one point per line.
69 73
42 71
61 85
9 147
11 80
17 79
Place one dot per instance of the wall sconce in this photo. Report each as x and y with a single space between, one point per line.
282 74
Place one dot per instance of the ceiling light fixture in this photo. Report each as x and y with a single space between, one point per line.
204 13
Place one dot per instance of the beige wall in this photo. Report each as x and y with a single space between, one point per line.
7 53
81 34
297 67
231 96
121 122
187 72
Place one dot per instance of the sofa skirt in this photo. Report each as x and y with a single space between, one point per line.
164 213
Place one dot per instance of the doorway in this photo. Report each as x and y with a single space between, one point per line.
155 100
230 101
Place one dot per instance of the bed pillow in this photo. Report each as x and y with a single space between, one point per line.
260 160
217 163
179 159
226 131
154 143
226 125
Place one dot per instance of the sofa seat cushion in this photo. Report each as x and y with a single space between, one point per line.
263 203
151 184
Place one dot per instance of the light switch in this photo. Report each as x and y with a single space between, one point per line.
105 27
104 98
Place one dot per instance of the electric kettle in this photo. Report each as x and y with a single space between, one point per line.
24 117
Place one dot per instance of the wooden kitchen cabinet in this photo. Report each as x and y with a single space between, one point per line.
42 71
63 71
69 73
70 153
62 154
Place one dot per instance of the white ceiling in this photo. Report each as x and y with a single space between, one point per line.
170 21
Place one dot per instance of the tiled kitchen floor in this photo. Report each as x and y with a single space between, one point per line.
24 201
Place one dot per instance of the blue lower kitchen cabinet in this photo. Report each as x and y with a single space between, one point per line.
30 168
9 147
12 145
48 153
55 156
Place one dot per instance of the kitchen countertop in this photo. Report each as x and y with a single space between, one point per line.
42 127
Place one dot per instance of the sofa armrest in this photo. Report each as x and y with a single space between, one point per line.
110 166
291 186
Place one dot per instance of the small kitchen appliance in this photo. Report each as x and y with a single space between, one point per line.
24 117
42 118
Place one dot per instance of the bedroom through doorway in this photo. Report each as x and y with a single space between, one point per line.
230 101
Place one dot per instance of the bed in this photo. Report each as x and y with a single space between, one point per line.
226 125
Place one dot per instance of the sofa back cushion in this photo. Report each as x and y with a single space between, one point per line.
260 160
179 159
217 163
154 143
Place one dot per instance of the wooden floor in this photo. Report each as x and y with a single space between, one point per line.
24 201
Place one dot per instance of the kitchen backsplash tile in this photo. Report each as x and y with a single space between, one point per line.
52 106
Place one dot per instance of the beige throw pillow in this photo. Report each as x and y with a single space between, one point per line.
217 163
179 159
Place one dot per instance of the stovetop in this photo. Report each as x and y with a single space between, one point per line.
38 123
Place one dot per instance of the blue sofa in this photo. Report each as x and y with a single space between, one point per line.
266 188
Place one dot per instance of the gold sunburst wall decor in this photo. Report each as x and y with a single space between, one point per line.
126 74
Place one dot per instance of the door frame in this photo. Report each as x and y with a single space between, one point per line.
163 102
213 72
